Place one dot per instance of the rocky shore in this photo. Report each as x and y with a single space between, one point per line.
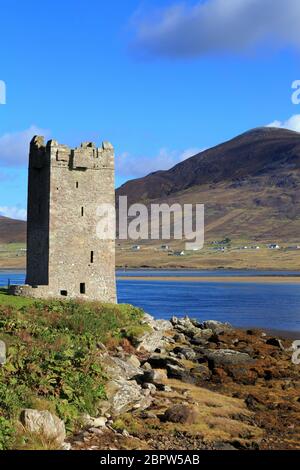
191 385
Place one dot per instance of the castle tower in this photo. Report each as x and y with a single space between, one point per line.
65 258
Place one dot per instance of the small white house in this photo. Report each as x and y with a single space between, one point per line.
136 248
179 253
165 247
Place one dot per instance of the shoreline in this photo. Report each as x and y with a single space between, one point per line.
120 269
179 268
209 270
220 279
281 334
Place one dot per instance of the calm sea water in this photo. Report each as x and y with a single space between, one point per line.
268 306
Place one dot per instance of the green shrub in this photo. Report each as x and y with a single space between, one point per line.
7 433
53 359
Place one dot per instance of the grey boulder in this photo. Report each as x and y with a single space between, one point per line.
224 357
2 353
44 423
216 326
117 368
124 395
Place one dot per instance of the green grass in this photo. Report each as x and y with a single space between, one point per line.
12 247
13 301
53 359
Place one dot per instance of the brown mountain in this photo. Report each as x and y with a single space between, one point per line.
250 186
12 231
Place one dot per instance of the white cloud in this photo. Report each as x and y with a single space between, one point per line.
293 123
13 212
134 167
210 26
14 146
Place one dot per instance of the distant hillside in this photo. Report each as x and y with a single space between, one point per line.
262 151
12 231
250 186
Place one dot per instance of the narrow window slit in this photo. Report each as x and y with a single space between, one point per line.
82 288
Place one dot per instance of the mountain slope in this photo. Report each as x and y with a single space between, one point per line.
250 186
255 153
12 231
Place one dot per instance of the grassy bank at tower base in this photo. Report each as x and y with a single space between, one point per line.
53 360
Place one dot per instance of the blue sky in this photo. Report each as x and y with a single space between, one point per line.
159 79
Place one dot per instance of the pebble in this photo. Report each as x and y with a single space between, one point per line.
96 431
149 386
99 422
77 443
66 446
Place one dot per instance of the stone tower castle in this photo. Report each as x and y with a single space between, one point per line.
65 258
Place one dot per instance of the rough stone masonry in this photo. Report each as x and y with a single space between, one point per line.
65 258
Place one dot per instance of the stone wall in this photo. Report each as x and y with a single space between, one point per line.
65 258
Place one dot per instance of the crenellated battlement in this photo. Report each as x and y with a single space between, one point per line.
87 156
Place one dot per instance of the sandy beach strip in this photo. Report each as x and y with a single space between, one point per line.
220 279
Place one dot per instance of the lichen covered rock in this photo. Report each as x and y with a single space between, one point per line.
45 424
